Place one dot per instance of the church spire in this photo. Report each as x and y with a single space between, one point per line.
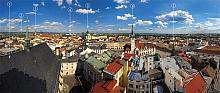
27 40
132 36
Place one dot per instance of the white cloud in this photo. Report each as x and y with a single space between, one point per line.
124 29
30 13
121 1
73 21
4 21
85 11
36 5
179 16
125 16
63 7
210 24
59 2
51 25
107 8
96 21
11 20
161 24
77 3
131 24
42 3
69 2
121 6
141 22
144 1
121 18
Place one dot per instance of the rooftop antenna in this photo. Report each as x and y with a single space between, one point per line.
70 10
35 9
21 15
9 4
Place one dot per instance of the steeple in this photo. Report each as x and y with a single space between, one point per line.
132 30
27 40
132 40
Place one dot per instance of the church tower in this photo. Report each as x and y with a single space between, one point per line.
27 40
132 36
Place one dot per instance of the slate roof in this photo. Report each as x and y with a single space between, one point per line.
39 62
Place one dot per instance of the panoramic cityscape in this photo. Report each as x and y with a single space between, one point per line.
109 46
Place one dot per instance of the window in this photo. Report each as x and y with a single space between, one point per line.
131 85
137 86
143 86
130 91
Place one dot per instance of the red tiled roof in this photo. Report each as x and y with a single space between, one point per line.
128 55
46 35
129 63
104 86
117 89
140 45
209 50
196 85
184 56
114 67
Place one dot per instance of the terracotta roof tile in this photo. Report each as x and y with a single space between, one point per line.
104 86
196 85
114 67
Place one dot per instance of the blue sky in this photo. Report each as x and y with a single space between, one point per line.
150 16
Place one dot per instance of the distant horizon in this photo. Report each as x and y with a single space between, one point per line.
115 33
112 16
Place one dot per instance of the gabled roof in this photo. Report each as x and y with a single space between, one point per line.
114 67
128 55
209 50
196 85
39 62
209 71
96 63
106 86
139 45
